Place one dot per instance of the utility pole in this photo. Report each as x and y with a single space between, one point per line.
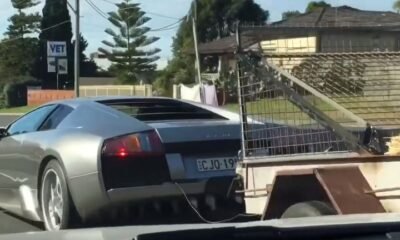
196 48
77 48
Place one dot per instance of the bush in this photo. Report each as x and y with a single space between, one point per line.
16 94
2 97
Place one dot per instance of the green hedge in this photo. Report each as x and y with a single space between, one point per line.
15 94
2 97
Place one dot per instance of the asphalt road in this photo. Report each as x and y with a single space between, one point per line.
13 224
10 223
7 119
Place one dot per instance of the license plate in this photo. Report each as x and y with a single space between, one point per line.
216 164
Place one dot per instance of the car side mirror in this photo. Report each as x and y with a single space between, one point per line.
3 132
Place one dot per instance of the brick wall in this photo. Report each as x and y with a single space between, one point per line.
38 97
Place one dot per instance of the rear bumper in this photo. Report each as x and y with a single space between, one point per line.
90 196
219 186
158 191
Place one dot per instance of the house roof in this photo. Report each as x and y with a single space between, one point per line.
321 19
225 45
342 17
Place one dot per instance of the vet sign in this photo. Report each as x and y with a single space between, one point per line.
56 49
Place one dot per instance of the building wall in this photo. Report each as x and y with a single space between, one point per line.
359 41
306 44
290 45
333 42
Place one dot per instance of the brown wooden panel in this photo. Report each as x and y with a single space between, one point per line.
346 188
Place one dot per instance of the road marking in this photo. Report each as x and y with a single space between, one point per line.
19 180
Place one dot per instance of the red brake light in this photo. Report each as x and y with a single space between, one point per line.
140 144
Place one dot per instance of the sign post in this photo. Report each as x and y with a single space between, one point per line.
57 61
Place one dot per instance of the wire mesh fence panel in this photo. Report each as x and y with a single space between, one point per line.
284 118
315 90
367 84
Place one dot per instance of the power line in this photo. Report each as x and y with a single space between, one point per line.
167 27
161 15
96 9
43 30
104 15
107 1
164 28
56 25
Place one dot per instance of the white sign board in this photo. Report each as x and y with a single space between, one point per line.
62 66
56 49
51 64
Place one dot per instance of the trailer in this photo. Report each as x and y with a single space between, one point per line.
315 128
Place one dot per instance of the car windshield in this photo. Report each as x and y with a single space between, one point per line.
170 113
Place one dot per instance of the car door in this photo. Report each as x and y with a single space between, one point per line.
35 143
14 170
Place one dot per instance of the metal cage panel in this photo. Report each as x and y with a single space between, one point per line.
317 102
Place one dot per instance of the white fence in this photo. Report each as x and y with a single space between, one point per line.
116 90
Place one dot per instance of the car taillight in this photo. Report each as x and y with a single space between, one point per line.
139 144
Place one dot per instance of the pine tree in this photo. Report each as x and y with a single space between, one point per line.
23 23
128 49
88 68
55 12
18 50
55 26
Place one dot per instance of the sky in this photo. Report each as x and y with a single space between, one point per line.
167 12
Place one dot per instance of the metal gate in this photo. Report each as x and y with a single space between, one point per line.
303 104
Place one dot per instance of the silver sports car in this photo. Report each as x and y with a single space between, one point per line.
89 158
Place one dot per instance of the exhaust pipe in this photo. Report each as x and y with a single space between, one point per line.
175 207
157 207
194 202
211 202
239 199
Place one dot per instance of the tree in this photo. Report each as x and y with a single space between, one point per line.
18 51
315 5
88 68
289 14
396 6
23 23
130 53
55 26
17 58
215 19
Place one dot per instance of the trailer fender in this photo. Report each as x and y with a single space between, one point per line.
343 188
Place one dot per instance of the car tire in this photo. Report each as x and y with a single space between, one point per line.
55 199
309 209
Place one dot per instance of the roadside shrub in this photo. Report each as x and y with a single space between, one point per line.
15 94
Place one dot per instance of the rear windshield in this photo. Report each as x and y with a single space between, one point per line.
161 110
